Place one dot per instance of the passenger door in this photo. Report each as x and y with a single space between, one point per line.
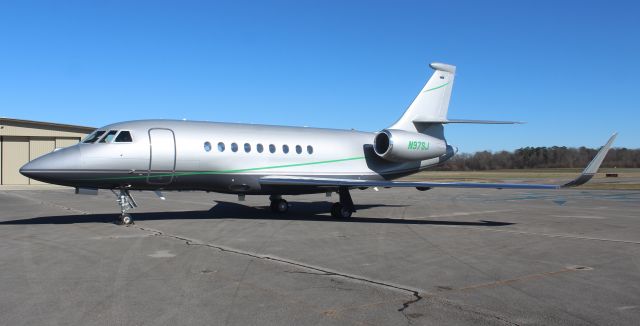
162 160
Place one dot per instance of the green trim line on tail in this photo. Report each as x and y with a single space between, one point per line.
432 89
179 174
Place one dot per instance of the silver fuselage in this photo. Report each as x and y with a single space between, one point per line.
172 155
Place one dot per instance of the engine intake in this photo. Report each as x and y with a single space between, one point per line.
404 146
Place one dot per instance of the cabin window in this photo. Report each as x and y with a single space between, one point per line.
298 149
124 137
93 137
272 148
247 147
221 147
310 149
285 148
109 136
234 147
207 146
259 148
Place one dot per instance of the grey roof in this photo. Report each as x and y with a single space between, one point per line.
42 124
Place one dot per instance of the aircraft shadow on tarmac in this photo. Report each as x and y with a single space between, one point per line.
299 211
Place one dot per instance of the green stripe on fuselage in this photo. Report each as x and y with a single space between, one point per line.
179 174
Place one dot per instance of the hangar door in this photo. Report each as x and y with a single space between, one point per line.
15 153
37 148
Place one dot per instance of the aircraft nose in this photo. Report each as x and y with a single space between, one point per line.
52 167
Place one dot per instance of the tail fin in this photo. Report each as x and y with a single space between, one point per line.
432 103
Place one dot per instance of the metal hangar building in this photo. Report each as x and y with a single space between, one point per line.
23 140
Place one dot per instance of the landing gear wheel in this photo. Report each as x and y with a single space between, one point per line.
126 219
126 203
340 211
279 206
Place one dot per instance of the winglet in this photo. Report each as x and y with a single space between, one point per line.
593 166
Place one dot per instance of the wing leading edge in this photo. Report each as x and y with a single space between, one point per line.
583 178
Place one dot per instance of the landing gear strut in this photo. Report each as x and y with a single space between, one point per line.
126 203
278 205
344 208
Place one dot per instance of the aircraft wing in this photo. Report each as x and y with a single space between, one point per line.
583 178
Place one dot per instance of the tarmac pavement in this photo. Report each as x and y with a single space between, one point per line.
444 256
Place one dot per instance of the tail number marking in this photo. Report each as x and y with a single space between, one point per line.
415 145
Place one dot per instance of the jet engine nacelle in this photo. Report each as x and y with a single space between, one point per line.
404 146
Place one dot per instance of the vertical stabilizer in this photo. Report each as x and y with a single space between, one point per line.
432 103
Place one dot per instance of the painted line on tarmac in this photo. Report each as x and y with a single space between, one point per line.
464 213
521 278
581 216
549 235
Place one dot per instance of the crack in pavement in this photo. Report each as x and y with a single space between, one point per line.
47 203
320 271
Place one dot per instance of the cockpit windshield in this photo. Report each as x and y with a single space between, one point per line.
93 137
124 136
109 136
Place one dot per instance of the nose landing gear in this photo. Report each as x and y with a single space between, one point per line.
126 203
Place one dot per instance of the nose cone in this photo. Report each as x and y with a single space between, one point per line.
53 167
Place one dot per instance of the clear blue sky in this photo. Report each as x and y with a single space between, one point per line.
570 69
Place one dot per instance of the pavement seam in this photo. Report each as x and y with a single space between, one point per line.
418 294
47 203
415 293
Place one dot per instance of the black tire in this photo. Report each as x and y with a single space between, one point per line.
345 212
339 211
126 219
335 210
280 206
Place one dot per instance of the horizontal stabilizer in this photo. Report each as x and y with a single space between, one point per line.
490 122
583 178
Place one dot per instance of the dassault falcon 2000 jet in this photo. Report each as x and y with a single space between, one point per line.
249 159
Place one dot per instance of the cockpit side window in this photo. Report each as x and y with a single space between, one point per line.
124 137
93 137
109 136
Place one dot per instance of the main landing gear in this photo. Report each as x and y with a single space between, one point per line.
126 203
344 208
278 205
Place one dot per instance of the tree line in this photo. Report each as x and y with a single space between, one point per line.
541 157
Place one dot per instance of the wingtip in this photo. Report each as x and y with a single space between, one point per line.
594 165
610 141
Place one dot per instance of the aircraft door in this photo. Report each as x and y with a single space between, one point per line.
162 160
